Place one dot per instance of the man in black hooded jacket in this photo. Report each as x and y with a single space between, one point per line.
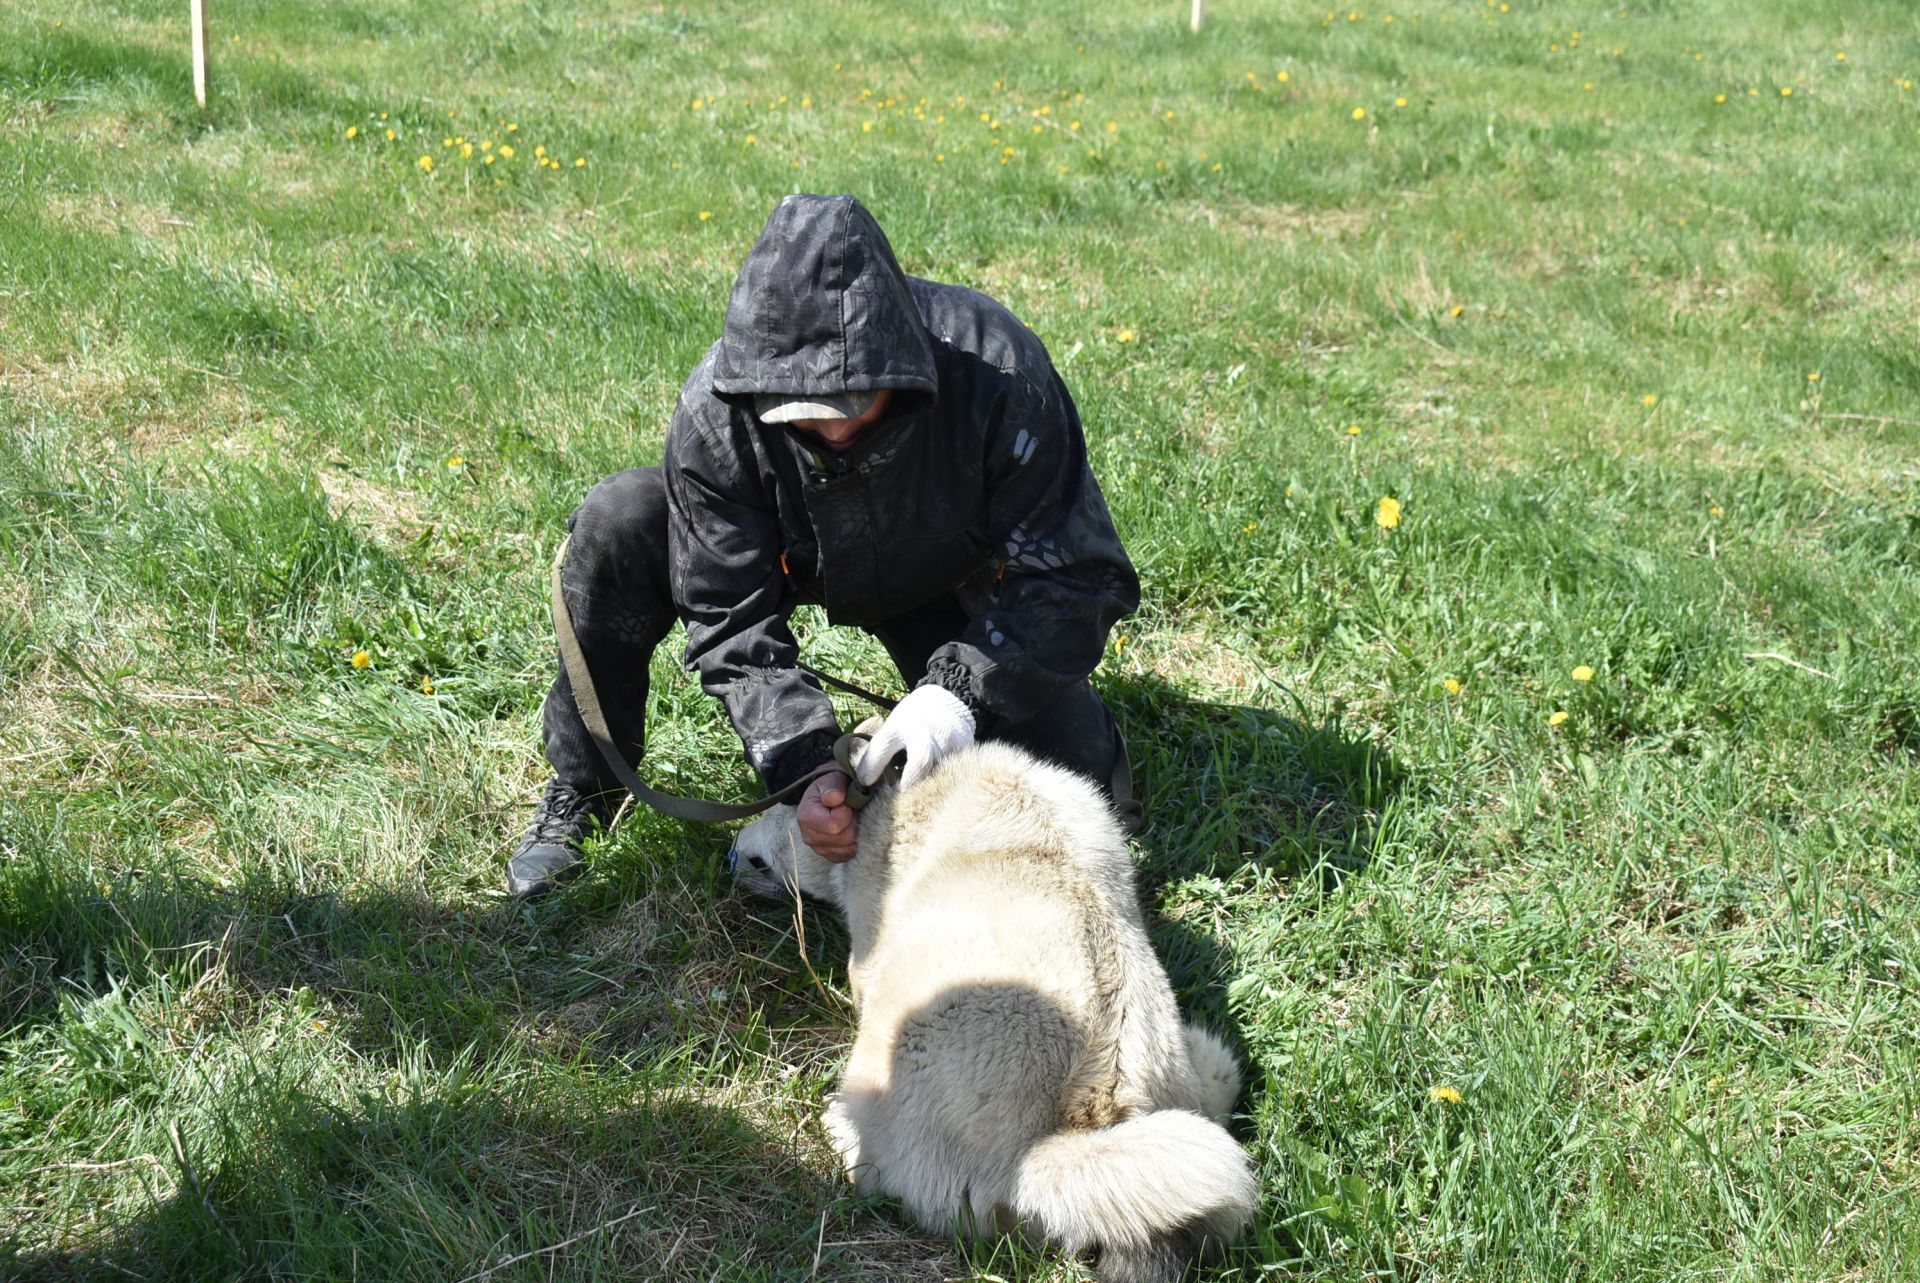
899 451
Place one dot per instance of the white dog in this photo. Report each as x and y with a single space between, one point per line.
1019 1062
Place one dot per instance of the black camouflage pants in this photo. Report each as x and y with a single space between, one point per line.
616 586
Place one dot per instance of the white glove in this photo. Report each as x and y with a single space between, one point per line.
927 725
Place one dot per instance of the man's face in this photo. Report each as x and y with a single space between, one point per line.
838 435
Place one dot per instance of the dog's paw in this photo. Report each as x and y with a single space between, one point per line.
1216 1071
843 1134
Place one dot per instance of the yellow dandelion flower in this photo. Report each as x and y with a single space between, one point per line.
1813 376
383 115
1451 685
1125 336
705 214
1074 127
513 129
540 150
1359 113
1216 166
1113 126
490 159
506 152
1716 511
1753 91
1119 642
1786 91
940 158
1456 311
806 102
1386 514
426 685
426 164
1283 77
1249 528
1556 717
1399 102
361 659
1353 430
391 135
1719 98
1650 400
1583 673
1841 56
1444 1095
456 461
580 162
353 131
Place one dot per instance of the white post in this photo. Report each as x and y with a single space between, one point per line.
199 18
1199 13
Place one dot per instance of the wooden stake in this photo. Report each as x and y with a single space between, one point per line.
199 18
1199 13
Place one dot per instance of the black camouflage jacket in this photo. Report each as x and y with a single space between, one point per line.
976 485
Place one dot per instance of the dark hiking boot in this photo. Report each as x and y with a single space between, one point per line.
552 842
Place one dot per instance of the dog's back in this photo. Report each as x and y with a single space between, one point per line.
1020 1060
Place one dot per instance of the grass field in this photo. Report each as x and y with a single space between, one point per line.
1549 853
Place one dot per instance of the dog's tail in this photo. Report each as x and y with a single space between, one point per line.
1147 1194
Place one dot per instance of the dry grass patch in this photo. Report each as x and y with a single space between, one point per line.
109 215
1208 665
1289 223
390 514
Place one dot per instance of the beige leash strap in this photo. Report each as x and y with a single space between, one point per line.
699 810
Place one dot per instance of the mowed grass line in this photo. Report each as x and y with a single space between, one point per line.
1638 366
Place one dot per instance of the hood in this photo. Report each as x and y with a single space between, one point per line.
821 306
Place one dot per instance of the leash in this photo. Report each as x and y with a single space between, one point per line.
699 810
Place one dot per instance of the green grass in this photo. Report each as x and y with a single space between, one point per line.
263 1010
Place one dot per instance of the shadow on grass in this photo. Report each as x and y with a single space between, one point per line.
608 973
1233 791
557 1178
542 1070
1228 784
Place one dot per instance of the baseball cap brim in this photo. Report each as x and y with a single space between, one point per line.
773 407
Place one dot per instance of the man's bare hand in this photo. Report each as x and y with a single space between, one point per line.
827 823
